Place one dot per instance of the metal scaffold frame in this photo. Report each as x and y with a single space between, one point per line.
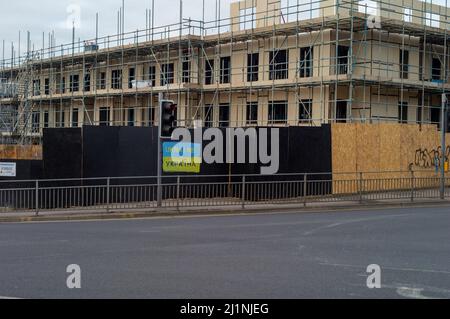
318 62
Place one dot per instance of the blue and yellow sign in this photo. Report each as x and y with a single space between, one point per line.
181 157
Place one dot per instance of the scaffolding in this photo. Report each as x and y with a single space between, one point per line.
269 63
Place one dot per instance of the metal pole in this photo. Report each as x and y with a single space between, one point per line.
159 187
243 192
443 144
178 192
305 190
360 187
37 197
108 190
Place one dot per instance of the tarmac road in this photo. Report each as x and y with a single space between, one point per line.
284 255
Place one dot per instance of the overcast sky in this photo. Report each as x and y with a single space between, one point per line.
40 16
45 16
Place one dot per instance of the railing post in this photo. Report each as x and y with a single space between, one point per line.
243 191
36 198
178 193
413 186
108 192
305 189
360 188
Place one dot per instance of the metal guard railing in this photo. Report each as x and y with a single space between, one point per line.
241 191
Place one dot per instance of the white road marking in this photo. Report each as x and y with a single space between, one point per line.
360 220
411 293
9 298
432 271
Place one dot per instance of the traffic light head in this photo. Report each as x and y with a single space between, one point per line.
168 118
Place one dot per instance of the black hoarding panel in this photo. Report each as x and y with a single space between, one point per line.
25 170
19 192
137 151
100 151
132 152
62 153
309 150
119 151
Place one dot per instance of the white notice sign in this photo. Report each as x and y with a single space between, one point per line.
7 169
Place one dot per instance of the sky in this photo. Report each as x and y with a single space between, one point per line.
45 16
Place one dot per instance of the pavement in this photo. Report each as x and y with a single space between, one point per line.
271 255
128 211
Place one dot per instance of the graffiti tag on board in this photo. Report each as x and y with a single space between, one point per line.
425 158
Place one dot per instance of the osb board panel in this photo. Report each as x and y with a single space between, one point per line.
368 143
20 152
390 154
344 145
390 151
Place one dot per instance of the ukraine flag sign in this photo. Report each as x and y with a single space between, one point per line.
181 157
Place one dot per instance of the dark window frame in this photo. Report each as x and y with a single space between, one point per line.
305 111
252 67
404 64
75 115
104 121
279 65
152 75
131 77
185 72
252 113
224 115
63 85
36 87
131 117
46 119
74 83
61 119
167 74
436 72
87 82
46 86
276 116
209 72
116 79
306 66
225 70
343 59
102 81
35 122
403 112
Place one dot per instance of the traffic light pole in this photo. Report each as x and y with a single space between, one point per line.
159 182
166 126
443 143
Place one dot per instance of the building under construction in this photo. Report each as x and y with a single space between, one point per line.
268 63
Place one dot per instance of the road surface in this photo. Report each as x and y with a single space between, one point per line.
285 255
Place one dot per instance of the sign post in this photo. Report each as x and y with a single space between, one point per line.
443 144
159 182
167 123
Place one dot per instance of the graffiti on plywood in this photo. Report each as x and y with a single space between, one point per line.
425 158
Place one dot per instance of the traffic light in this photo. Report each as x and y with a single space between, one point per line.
168 118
